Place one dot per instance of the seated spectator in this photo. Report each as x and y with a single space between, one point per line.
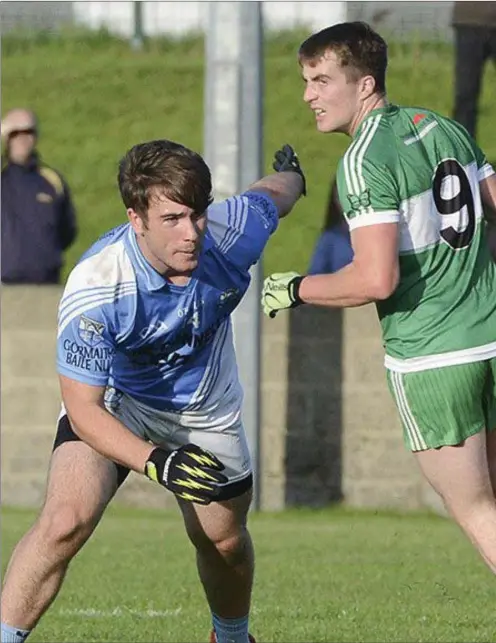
333 250
38 219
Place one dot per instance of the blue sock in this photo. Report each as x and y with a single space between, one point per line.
230 630
13 634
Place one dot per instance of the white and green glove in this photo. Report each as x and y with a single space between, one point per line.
280 291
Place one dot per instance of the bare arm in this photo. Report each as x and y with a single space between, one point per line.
98 428
284 188
372 275
488 193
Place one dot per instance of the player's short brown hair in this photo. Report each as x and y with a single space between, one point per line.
361 51
180 173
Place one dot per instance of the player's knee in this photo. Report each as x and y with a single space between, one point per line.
63 526
235 548
232 546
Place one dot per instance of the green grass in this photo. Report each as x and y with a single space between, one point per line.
326 575
95 98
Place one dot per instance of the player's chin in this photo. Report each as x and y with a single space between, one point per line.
186 263
326 126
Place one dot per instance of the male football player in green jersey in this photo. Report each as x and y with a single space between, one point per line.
412 185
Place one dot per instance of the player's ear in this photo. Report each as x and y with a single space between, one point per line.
367 86
136 221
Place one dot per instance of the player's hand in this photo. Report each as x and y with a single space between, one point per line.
190 472
286 160
280 291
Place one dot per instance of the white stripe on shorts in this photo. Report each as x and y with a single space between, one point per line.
417 442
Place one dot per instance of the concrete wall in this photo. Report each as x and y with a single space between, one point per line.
329 427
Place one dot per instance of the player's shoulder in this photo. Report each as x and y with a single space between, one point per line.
372 142
234 212
105 270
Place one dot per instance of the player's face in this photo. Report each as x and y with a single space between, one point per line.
172 237
332 96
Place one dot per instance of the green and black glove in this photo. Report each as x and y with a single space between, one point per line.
280 291
286 160
190 472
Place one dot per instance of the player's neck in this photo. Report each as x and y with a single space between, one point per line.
374 102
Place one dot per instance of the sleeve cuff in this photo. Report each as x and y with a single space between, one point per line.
485 171
84 379
374 218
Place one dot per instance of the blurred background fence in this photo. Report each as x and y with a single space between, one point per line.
430 19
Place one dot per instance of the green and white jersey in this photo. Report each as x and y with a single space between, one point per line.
418 169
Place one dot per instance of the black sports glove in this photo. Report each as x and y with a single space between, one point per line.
286 160
190 472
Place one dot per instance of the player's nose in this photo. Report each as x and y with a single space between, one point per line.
192 232
309 94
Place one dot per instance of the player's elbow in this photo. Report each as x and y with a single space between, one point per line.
382 285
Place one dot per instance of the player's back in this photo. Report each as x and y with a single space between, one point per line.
443 310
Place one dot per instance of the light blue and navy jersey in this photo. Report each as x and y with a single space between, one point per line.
121 324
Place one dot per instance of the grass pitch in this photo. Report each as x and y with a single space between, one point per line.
322 576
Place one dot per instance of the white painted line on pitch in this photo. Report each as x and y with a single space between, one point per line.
118 612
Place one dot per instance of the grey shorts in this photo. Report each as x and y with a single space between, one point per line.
217 429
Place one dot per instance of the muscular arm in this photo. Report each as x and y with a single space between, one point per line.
98 428
488 193
371 276
284 188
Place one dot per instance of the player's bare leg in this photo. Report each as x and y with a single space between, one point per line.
80 485
491 457
460 475
224 553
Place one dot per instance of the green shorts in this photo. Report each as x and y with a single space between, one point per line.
445 406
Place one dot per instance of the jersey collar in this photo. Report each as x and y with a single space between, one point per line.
387 110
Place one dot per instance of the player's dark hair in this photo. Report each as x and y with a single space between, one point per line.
361 51
181 173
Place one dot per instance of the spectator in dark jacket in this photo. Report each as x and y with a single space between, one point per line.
475 43
333 250
38 219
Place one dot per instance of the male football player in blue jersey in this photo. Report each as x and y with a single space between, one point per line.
149 378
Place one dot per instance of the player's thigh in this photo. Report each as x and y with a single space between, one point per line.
491 423
225 519
218 522
81 483
459 474
442 406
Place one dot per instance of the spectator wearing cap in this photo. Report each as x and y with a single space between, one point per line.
38 218
475 42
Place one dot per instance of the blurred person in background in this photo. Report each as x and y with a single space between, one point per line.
333 250
149 379
38 218
475 42
411 185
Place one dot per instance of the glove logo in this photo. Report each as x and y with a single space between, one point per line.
189 467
